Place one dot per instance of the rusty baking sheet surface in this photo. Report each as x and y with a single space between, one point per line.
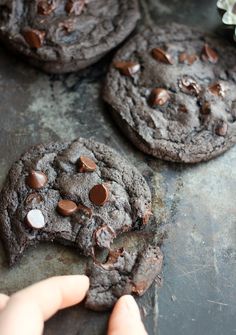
195 205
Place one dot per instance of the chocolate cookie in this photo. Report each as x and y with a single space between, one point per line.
172 91
61 36
123 273
81 194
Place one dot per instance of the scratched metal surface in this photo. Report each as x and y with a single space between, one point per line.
194 204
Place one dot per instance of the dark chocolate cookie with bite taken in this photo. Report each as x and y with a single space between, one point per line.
172 90
61 36
82 194
123 273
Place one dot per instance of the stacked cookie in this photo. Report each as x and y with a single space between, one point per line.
171 90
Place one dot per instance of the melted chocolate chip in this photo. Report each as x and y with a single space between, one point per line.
182 109
35 219
85 210
86 164
45 7
36 179
33 198
209 54
187 59
66 207
99 194
75 6
146 216
217 89
34 37
189 86
112 258
67 25
221 129
127 68
205 108
159 97
162 56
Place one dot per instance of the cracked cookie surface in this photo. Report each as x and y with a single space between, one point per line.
82 194
172 90
123 273
66 35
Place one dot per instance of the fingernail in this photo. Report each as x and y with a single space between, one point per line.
131 306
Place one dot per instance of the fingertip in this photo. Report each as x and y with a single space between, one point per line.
125 318
82 279
128 304
3 301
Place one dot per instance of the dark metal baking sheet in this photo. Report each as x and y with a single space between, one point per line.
195 204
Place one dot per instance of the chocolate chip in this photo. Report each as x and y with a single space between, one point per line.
159 97
127 68
146 216
182 109
189 86
112 258
86 164
45 7
205 108
34 38
66 207
99 194
35 219
33 198
221 128
188 59
162 56
75 6
36 179
139 288
209 54
217 89
68 26
85 210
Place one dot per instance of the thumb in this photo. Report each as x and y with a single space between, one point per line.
125 318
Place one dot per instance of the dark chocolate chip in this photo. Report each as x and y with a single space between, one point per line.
34 37
86 164
146 216
159 97
162 56
36 179
67 25
182 109
187 59
112 258
75 6
46 7
205 108
189 86
66 207
127 68
209 54
35 219
85 210
217 89
99 194
33 198
222 128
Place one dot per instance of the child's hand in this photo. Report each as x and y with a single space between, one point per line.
24 312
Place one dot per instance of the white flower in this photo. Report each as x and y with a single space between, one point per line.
230 15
